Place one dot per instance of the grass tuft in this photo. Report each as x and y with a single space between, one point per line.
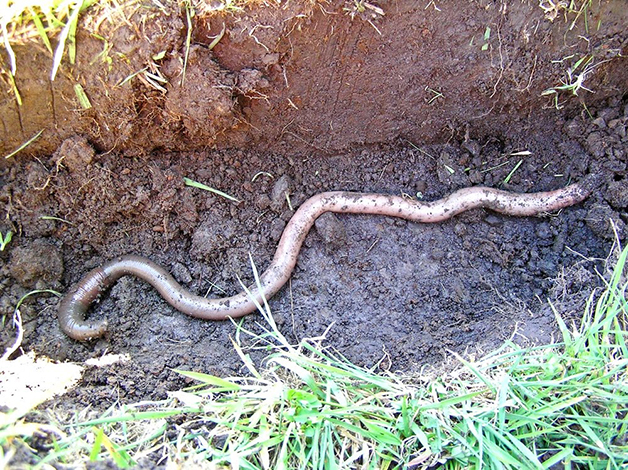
573 82
303 407
20 19
568 9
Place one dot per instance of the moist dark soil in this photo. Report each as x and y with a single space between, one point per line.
291 102
412 292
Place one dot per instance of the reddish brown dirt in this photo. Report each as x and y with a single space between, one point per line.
313 76
317 101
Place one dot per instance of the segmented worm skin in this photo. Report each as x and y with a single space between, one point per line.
74 305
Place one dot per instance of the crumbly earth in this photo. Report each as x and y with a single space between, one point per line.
384 287
318 101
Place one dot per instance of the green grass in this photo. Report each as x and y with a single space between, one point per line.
24 145
562 404
45 19
204 187
189 14
573 82
5 239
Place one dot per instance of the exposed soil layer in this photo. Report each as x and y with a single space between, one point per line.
384 286
314 76
293 101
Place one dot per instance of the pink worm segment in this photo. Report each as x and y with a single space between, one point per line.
74 305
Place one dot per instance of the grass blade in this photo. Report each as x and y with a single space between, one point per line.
195 184
24 145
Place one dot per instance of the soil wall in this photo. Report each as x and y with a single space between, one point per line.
302 76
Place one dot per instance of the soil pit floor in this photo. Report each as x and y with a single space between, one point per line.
380 287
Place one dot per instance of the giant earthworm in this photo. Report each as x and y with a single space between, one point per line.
74 305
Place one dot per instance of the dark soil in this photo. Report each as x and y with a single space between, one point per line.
319 101
386 286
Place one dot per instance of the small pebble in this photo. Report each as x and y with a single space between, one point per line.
437 254
278 194
460 229
493 220
544 231
262 201
181 273
472 147
331 229
599 122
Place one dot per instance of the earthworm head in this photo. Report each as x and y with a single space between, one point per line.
592 182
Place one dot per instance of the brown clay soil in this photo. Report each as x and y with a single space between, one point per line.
302 98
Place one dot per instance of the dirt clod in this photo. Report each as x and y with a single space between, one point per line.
603 221
75 153
39 264
203 103
617 194
281 190
331 229
210 237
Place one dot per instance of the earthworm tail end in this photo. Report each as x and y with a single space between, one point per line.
73 307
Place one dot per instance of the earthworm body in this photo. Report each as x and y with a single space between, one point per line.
74 305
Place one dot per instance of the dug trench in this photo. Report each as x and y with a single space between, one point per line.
386 293
380 287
